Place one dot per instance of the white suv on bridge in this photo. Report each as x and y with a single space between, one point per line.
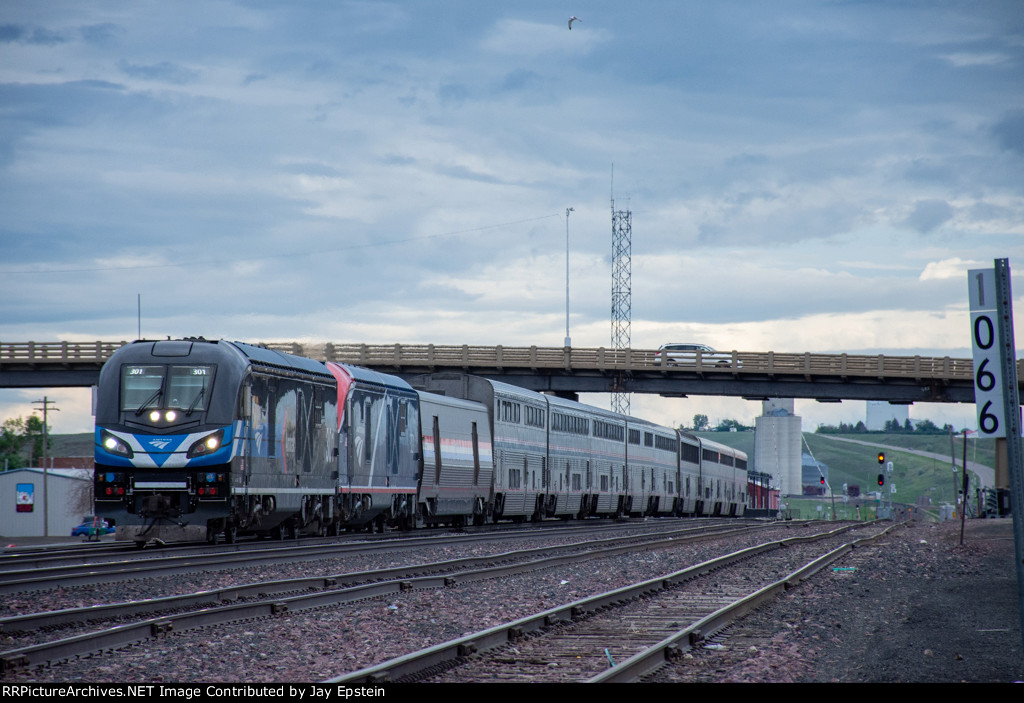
686 353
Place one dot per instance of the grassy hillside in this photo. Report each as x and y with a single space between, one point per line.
855 464
72 444
744 441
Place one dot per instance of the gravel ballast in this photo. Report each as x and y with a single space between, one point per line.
917 607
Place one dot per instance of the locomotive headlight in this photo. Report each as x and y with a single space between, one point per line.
115 446
171 416
154 416
207 445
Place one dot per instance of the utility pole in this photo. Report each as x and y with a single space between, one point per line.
568 340
45 402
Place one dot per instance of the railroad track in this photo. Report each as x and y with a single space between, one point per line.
39 573
44 569
625 634
273 598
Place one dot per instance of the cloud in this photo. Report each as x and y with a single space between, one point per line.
800 176
965 59
949 268
12 32
928 215
531 40
893 331
163 72
103 34
1009 132
29 35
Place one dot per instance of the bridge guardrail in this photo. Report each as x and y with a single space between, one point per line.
584 359
603 359
57 352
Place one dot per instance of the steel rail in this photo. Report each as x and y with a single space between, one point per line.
650 660
123 635
93 613
441 656
38 578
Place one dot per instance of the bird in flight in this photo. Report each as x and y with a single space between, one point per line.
572 19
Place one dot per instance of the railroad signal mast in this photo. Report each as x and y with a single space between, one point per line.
885 468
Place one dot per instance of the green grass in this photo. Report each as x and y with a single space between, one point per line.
72 444
912 475
855 464
744 441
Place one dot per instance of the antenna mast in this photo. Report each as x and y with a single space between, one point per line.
622 236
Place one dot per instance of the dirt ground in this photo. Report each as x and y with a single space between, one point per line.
917 607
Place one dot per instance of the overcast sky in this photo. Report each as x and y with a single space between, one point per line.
802 176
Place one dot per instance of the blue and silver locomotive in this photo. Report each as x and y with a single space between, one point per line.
198 439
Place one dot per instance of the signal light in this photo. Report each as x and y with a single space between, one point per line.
881 457
881 479
822 480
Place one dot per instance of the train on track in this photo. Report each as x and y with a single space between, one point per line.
200 439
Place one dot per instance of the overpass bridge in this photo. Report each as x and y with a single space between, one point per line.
566 371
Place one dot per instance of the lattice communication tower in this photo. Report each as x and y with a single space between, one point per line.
622 266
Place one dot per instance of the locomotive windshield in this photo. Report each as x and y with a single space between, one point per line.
179 387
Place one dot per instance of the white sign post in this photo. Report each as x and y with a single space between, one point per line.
988 375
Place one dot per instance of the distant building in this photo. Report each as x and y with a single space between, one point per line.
762 499
777 442
23 501
880 412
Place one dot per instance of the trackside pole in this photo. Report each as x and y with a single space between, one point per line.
996 397
1011 407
